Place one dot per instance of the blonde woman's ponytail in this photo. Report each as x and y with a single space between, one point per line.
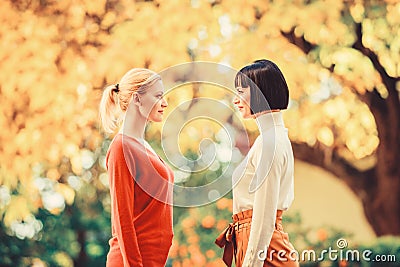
109 108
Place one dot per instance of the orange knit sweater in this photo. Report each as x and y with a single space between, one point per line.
141 205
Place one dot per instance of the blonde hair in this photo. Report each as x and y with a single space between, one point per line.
116 98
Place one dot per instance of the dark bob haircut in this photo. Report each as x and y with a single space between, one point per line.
268 87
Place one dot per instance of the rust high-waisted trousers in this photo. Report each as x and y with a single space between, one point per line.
236 237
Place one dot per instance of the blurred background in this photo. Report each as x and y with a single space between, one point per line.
341 60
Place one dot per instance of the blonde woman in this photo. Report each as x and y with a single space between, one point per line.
140 182
263 181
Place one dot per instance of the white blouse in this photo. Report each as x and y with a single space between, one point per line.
263 181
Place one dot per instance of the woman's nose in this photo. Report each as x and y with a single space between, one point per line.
164 103
236 100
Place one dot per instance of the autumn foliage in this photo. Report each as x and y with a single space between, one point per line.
341 60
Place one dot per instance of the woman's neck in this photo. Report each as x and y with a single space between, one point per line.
134 124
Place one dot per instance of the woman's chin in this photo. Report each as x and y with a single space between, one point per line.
158 118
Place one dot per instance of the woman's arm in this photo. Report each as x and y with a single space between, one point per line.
122 200
265 185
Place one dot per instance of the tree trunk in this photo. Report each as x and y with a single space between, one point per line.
82 259
382 208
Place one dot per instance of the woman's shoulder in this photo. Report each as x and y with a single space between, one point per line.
123 144
264 142
265 148
116 147
124 148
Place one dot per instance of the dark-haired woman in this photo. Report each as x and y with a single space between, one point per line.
263 181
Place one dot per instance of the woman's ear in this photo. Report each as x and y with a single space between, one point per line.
136 99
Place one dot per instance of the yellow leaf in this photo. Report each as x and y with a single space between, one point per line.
17 210
67 192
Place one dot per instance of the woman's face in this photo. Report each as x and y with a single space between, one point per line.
242 101
153 103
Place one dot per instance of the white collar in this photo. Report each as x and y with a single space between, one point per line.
269 120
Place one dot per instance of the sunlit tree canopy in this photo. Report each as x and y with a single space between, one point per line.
341 60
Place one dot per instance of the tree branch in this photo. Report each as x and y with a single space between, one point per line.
388 81
360 182
306 47
300 42
385 110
